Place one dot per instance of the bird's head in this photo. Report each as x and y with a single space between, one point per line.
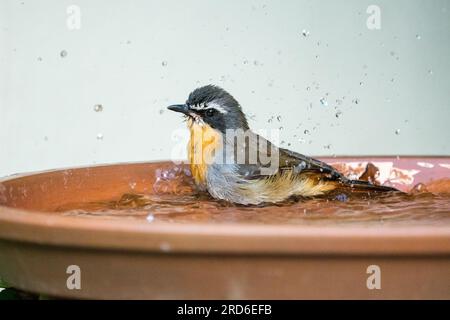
215 107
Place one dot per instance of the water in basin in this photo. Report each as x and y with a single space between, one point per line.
175 200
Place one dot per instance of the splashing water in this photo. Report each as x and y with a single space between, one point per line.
98 108
176 200
420 208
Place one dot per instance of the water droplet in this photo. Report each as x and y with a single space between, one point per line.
397 132
299 167
418 37
324 102
100 136
165 246
338 114
279 118
63 53
356 101
164 63
150 218
308 88
306 131
342 197
39 58
161 111
430 72
361 83
328 146
280 128
305 33
98 108
256 63
245 62
419 188
270 119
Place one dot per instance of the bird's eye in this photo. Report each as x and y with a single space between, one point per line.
210 112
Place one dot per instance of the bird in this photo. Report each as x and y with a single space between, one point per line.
233 163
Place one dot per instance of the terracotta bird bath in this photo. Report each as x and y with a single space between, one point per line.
137 231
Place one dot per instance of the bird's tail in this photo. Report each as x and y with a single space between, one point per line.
365 186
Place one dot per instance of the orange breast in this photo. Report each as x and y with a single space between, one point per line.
202 146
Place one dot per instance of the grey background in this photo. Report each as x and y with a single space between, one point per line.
254 49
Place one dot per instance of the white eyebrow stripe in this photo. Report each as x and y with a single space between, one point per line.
217 107
210 105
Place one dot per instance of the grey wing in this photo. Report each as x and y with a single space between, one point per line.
260 155
290 160
286 160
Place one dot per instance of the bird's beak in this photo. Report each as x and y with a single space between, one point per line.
183 108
